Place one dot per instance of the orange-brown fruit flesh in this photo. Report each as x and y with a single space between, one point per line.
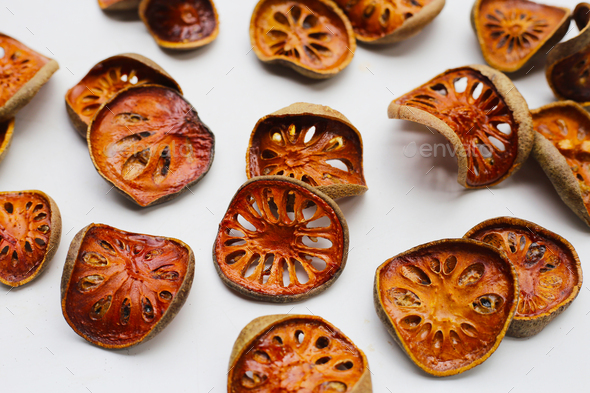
571 76
582 15
448 303
118 5
149 142
6 131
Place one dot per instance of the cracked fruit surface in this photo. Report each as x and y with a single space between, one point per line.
448 303
511 32
313 37
149 142
118 5
30 230
280 240
311 143
548 268
6 131
481 113
296 353
119 289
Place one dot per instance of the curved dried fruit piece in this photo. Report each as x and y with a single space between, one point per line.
149 142
119 289
30 230
280 240
6 130
582 15
481 113
296 353
118 5
447 303
313 37
180 24
311 143
388 21
511 32
548 268
22 73
106 79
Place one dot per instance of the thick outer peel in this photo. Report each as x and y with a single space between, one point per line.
118 5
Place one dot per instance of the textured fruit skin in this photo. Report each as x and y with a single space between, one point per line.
6 132
118 5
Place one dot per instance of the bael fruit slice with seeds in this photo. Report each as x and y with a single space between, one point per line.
275 227
149 142
447 303
6 130
511 32
296 353
548 268
30 230
481 113
119 289
118 5
22 73
313 37
311 143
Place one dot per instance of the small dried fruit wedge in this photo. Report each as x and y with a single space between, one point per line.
119 289
295 354
30 230
314 37
149 142
448 303
548 268
118 5
582 15
480 111
388 21
512 32
22 73
280 240
6 130
106 79
180 24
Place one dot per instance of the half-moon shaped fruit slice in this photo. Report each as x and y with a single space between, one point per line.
118 5
447 303
119 289
314 37
30 230
481 113
24 72
180 24
510 33
548 268
6 130
311 143
388 21
296 353
280 240
149 142
106 79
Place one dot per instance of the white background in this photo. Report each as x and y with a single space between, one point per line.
231 90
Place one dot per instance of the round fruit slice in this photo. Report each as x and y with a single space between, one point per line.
6 130
296 353
119 289
180 24
149 142
481 113
388 21
311 143
118 5
30 230
22 73
510 33
548 268
106 79
313 37
447 303
280 240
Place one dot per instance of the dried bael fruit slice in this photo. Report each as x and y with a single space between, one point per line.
311 143
447 303
118 5
313 37
481 113
512 32
388 21
119 289
30 230
6 130
296 353
548 268
582 15
280 240
180 24
22 73
106 79
149 142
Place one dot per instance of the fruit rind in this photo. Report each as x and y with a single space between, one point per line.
122 5
5 145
